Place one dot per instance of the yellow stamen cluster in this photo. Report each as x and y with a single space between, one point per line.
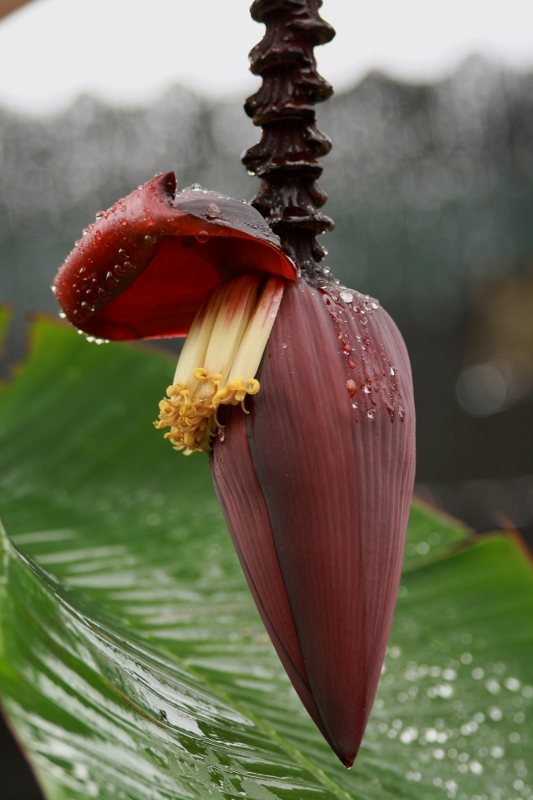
224 346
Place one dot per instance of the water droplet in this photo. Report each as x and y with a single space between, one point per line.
62 314
112 279
150 239
85 231
196 187
351 364
99 215
202 237
346 348
88 308
251 173
53 289
367 390
352 388
347 297
392 371
371 414
129 266
123 222
79 316
284 346
122 208
120 269
221 435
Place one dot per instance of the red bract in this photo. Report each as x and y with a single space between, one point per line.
143 268
316 485
315 481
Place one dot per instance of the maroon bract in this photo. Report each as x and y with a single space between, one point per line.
312 446
315 485
143 268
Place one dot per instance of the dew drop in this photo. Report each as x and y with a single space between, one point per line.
129 266
79 316
347 297
371 414
53 289
123 222
284 346
346 348
122 208
150 239
351 364
112 279
62 315
99 215
120 269
352 388
202 237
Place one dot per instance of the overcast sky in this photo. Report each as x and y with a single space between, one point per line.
128 50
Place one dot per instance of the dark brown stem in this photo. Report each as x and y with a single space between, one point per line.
286 157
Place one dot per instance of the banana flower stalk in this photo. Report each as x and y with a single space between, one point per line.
301 394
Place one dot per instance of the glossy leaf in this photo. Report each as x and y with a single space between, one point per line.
143 608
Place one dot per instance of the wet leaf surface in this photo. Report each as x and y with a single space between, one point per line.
133 663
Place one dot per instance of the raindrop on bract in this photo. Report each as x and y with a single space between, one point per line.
99 215
284 346
62 315
150 239
202 237
371 414
347 297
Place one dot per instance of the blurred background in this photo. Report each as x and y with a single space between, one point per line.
430 183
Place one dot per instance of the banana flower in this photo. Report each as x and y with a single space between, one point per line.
302 395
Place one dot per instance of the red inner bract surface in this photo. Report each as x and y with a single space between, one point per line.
164 298
143 268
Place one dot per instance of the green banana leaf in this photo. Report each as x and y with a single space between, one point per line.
133 663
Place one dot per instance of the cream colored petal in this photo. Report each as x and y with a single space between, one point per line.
195 348
255 338
231 323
